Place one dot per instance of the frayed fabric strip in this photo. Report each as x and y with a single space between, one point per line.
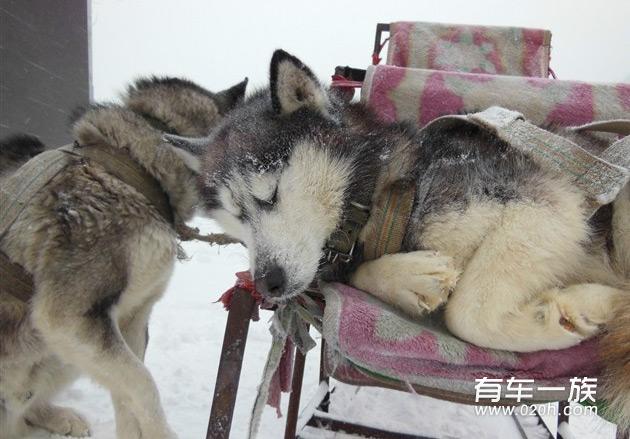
287 328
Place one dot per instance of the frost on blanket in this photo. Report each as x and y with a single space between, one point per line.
363 332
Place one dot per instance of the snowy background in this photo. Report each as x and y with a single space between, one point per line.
219 43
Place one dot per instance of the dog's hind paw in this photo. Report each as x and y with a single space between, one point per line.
59 420
586 308
415 282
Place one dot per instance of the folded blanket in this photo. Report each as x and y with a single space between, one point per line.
474 49
379 342
420 95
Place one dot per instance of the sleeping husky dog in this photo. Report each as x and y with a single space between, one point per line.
100 255
505 246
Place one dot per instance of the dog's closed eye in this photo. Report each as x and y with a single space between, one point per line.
264 189
269 202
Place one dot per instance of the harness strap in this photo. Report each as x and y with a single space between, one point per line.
617 126
14 280
119 164
389 220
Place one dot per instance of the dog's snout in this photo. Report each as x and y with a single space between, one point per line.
272 283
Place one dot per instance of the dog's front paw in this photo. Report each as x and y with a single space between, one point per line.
418 294
59 420
415 282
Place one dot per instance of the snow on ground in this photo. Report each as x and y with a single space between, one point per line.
186 332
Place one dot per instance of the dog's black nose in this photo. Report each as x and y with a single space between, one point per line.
272 283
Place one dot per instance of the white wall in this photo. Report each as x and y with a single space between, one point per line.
217 43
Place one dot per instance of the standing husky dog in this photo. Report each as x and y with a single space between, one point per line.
101 255
527 268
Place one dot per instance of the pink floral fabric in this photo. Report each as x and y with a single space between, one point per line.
421 95
374 338
472 49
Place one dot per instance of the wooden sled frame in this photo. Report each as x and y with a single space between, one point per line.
316 413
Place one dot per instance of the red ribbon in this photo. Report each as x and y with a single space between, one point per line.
343 82
243 281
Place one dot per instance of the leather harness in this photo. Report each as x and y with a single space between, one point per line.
385 223
14 279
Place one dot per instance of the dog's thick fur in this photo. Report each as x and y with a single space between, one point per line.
16 150
101 256
527 268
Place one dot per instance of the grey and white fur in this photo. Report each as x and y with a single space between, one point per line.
505 248
101 256
17 149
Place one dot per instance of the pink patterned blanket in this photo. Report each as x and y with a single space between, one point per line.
363 332
473 49
421 95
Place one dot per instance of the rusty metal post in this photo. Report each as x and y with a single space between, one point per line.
230 363
380 29
296 392
325 403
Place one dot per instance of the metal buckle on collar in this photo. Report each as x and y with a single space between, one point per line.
341 244
331 255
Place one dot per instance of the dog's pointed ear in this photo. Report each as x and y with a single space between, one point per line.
231 97
294 86
189 149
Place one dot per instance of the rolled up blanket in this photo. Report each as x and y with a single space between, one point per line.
474 49
420 95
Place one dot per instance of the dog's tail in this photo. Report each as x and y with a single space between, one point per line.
616 342
16 150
